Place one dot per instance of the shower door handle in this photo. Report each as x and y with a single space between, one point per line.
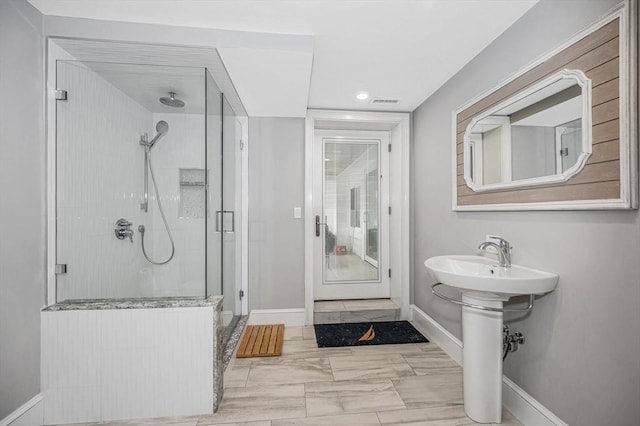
233 221
218 216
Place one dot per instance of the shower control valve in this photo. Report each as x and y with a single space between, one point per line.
123 230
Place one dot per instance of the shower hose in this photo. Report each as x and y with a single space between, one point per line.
141 228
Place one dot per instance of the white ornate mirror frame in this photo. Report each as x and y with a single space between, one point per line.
585 85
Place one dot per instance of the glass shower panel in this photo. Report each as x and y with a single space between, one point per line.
231 271
116 141
214 205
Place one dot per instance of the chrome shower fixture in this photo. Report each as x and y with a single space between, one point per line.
172 101
162 127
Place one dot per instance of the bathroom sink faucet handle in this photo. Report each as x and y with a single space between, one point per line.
503 242
503 248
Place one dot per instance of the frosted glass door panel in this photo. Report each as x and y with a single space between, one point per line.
351 209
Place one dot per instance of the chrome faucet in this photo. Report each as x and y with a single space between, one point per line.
503 248
123 230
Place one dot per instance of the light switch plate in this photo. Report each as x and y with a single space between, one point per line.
297 212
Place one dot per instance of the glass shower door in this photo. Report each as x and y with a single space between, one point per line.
123 231
214 188
231 201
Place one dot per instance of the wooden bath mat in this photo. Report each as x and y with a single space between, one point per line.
261 340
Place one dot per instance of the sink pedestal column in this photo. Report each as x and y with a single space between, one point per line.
482 360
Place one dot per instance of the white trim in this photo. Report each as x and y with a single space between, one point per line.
289 317
628 126
608 204
436 333
245 215
400 202
308 219
31 413
519 403
526 409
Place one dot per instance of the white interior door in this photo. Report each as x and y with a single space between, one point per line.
351 199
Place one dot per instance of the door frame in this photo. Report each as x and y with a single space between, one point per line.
398 125
351 288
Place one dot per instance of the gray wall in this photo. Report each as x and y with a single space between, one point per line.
582 353
276 239
22 183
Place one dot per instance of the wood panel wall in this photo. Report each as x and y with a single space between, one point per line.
597 55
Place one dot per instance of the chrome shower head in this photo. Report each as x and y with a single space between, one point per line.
162 127
172 101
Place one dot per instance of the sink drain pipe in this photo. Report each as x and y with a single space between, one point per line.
510 342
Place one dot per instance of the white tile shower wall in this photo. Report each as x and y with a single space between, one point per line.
182 147
99 168
113 364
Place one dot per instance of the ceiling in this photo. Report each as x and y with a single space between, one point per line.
147 72
146 84
397 49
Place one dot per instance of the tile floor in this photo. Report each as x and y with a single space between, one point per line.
349 267
411 384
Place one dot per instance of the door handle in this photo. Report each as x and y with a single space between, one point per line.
218 216
233 221
318 223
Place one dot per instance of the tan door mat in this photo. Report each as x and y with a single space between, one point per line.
261 340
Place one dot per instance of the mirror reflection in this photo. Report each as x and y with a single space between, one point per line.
536 136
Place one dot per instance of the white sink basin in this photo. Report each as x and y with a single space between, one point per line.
481 274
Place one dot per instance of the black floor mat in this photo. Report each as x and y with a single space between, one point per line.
367 333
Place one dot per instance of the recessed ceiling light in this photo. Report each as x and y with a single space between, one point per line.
362 96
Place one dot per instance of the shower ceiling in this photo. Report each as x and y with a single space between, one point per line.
148 72
145 84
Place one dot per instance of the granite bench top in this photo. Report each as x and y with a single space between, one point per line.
136 303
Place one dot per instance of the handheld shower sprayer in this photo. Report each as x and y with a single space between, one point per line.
162 127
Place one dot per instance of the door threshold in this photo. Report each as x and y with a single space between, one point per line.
360 310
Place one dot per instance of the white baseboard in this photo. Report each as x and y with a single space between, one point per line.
288 317
528 410
522 405
436 333
31 413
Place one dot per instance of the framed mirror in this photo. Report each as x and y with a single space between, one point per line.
559 134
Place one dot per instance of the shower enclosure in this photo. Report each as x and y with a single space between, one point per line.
146 204
144 244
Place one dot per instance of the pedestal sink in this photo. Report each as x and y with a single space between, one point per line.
485 286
